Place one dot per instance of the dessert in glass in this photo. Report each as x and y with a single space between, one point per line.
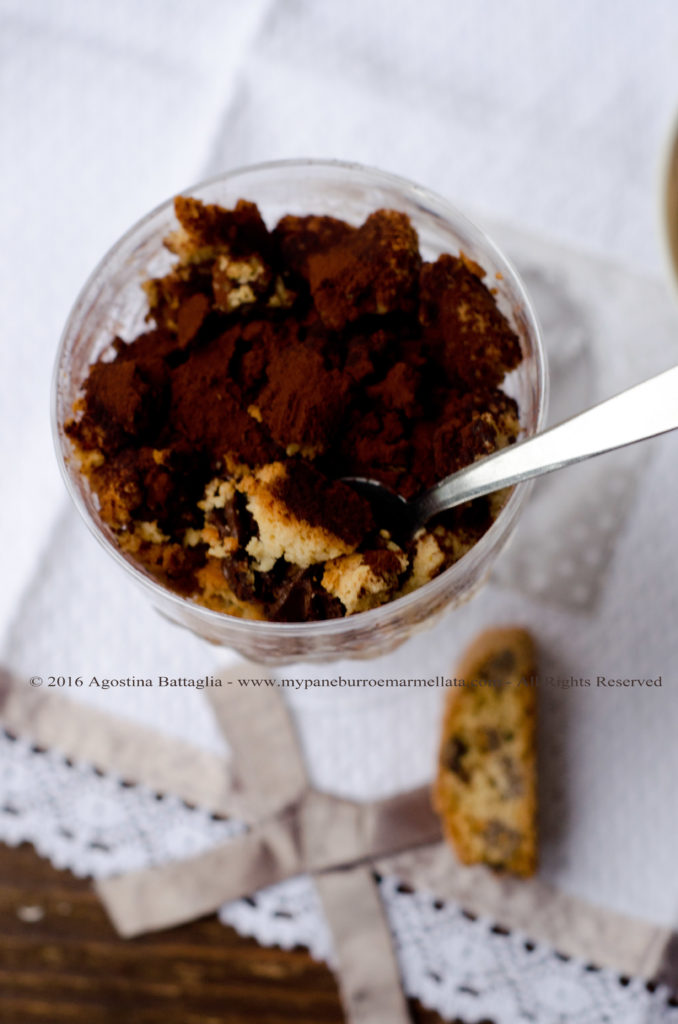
244 349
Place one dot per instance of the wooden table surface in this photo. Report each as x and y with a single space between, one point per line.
60 960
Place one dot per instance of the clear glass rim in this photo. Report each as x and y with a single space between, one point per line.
327 627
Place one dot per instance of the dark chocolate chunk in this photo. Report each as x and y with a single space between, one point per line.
294 600
499 666
240 576
452 757
234 520
503 839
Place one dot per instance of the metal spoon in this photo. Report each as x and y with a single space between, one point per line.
640 412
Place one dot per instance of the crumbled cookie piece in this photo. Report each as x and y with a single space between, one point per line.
461 315
123 400
297 238
366 579
298 517
485 789
330 504
207 230
427 561
373 270
219 595
238 282
172 563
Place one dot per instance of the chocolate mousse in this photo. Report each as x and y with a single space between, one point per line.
275 363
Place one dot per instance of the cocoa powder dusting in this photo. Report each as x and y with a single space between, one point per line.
329 348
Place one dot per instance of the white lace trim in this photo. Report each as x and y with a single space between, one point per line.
460 965
95 824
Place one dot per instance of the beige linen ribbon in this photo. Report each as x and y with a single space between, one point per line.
367 974
294 829
117 745
316 833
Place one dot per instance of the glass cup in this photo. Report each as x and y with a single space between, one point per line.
112 302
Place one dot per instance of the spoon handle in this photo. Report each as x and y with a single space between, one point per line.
640 412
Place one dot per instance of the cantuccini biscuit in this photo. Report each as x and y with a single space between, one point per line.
485 789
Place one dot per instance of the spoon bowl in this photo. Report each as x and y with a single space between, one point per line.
393 512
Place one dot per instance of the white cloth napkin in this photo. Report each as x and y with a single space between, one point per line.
553 122
83 617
